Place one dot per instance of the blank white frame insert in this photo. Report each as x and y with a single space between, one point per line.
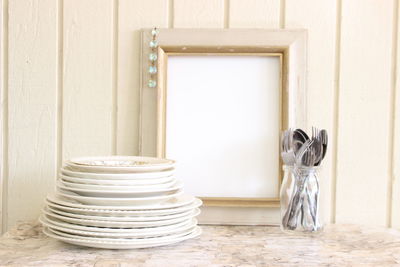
223 122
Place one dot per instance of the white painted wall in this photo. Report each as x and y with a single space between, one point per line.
70 86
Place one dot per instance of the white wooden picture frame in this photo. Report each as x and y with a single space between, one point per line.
282 52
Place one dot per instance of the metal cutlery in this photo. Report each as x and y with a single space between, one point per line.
302 154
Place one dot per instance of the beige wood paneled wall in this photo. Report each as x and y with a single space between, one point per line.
70 86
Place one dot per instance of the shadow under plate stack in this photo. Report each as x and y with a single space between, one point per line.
120 202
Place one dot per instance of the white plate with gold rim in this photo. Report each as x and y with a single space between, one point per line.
135 233
110 192
127 231
141 243
124 164
118 201
159 182
54 202
123 219
118 176
119 224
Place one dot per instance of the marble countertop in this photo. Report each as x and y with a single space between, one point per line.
338 245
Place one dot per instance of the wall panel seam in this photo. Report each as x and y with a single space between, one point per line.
391 134
335 127
4 116
114 116
282 14
171 14
226 14
60 81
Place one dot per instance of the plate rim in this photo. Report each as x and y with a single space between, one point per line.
114 218
118 224
116 182
109 239
76 160
196 203
114 230
133 207
178 185
122 176
196 232
188 225
121 201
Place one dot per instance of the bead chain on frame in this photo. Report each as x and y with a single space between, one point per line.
153 59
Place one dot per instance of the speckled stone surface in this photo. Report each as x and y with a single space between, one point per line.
339 245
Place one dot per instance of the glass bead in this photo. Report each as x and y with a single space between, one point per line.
152 69
152 56
154 32
153 44
152 83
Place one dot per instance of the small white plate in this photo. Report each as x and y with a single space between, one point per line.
160 183
123 219
113 164
169 204
137 233
118 176
123 213
105 230
114 224
109 192
111 201
142 243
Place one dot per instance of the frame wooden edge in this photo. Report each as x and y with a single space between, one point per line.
161 102
241 202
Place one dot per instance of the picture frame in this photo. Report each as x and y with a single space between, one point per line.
289 45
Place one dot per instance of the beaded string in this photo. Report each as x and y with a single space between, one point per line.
153 59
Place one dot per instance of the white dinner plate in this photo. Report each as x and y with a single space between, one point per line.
175 202
122 213
137 233
124 164
159 182
122 231
119 176
111 201
119 239
74 184
123 219
109 193
142 243
119 224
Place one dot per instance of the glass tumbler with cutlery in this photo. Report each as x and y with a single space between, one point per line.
300 194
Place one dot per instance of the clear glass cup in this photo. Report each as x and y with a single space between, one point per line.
300 207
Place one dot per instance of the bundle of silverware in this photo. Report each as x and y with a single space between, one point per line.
300 189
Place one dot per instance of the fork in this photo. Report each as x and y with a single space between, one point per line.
303 157
287 153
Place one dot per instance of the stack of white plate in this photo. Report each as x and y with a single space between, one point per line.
120 203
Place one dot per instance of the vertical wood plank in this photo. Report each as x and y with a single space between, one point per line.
3 112
133 16
364 105
396 137
32 106
319 18
254 14
198 14
87 88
